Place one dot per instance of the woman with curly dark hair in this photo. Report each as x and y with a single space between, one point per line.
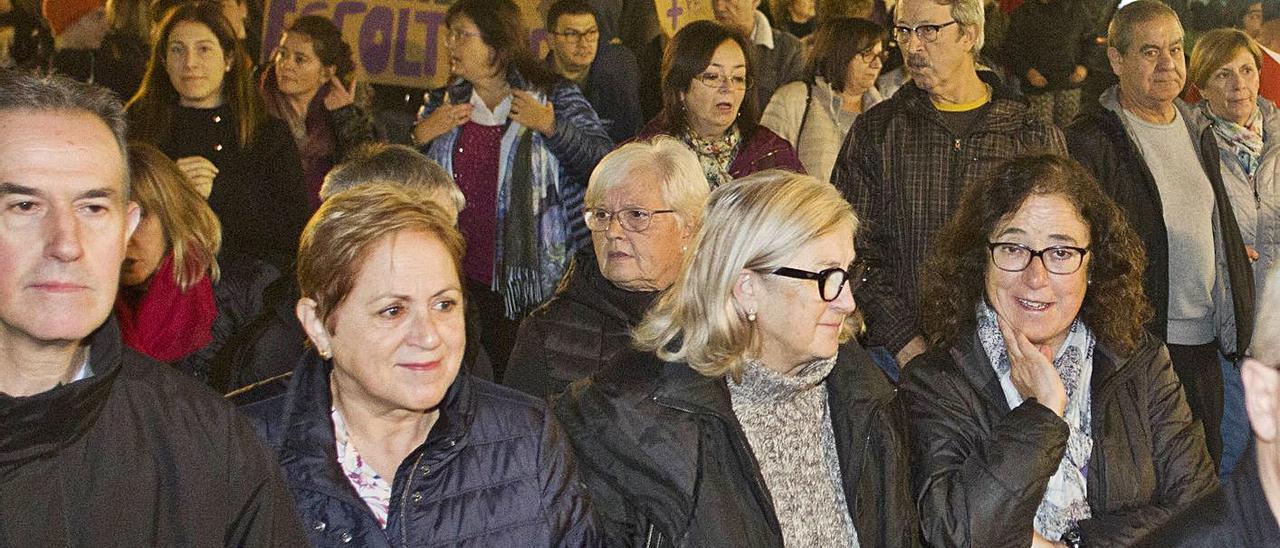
1044 414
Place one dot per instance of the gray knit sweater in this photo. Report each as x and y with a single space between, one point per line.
788 425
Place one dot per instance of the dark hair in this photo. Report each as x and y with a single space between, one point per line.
1123 23
687 55
502 28
21 90
326 40
952 280
568 7
835 42
151 109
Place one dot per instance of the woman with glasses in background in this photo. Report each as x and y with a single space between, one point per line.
840 78
520 142
706 72
742 419
644 203
1044 414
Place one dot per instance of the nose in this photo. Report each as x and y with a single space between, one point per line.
62 238
424 333
615 229
1035 275
844 302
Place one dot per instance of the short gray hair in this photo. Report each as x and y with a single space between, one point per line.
754 223
970 14
683 183
395 164
1126 19
28 91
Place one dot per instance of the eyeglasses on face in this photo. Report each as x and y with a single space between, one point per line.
1058 259
453 36
632 219
870 54
589 35
831 281
926 33
716 80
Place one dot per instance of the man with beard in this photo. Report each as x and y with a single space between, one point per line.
906 160
606 73
1145 149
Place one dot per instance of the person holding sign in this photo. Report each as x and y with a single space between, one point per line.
198 106
520 142
306 86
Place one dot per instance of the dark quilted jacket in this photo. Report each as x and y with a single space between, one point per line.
668 464
495 470
576 333
980 469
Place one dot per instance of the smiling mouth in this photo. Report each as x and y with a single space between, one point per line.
1035 306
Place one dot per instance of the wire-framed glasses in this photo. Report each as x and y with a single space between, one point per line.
633 219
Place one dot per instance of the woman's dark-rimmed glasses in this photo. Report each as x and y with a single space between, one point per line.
1057 259
831 281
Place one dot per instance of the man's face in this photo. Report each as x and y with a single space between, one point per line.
1154 69
933 64
64 225
1252 21
574 40
737 14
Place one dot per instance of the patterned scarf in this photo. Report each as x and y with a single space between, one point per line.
1065 502
1243 143
715 156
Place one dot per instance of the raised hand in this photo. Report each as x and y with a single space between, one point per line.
198 171
441 121
1032 370
339 96
532 113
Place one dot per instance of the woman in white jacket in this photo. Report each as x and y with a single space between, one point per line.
814 115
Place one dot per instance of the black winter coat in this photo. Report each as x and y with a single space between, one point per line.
1235 514
980 469
240 296
136 455
1099 142
576 333
668 464
495 470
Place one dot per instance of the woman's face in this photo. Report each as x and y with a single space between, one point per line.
146 250
639 261
863 69
795 325
712 109
196 65
398 337
1232 90
470 58
1038 303
299 72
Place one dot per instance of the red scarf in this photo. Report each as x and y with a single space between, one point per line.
168 323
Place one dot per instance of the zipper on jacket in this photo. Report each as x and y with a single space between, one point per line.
404 500
957 145
652 538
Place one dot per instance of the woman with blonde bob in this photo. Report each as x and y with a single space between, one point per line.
177 304
741 419
644 203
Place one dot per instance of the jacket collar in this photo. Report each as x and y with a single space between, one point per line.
1110 100
308 449
37 426
1008 110
584 284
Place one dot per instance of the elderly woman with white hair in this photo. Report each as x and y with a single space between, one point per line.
741 419
644 203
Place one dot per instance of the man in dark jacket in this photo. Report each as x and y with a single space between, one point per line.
1245 510
906 160
1146 153
98 444
607 73
779 56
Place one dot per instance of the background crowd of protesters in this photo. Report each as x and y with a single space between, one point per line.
808 273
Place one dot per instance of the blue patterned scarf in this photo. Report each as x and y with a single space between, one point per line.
1241 143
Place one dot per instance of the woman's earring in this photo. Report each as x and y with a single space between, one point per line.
325 354
751 317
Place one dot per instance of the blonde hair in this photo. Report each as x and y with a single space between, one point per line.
754 223
1217 48
343 231
680 177
191 229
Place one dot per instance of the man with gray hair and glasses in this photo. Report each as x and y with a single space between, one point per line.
906 160
1245 510
100 445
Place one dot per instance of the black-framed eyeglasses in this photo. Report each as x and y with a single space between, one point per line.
589 35
1057 259
632 219
831 281
870 54
718 80
926 33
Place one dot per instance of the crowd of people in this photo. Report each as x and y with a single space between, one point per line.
912 273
